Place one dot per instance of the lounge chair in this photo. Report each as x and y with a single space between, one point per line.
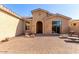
74 38
63 36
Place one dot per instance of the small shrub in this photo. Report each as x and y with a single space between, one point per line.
5 40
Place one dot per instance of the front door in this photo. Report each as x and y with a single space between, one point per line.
39 27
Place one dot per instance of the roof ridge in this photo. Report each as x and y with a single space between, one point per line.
40 9
58 14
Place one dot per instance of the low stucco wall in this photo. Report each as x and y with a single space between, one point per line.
10 26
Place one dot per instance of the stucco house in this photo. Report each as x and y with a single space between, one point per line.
44 22
41 22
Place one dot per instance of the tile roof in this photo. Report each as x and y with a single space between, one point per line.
3 8
51 14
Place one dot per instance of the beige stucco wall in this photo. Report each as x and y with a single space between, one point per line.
64 23
76 27
36 18
10 26
47 22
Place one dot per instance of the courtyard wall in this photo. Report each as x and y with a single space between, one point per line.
10 25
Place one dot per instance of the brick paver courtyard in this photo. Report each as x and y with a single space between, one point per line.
38 44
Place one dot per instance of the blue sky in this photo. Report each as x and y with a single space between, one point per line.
71 10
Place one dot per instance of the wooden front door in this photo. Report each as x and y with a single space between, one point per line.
39 27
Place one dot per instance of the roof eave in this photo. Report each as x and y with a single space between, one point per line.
3 8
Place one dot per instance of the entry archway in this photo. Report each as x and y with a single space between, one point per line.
39 27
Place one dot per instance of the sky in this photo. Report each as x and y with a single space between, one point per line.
70 10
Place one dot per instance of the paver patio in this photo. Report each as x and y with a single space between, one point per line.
38 44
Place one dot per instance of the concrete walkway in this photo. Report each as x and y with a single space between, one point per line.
40 44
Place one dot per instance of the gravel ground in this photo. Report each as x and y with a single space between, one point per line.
38 45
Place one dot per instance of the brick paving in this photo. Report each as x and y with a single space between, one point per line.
38 45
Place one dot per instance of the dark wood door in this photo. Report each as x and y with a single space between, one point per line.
39 27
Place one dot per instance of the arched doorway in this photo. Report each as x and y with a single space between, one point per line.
39 27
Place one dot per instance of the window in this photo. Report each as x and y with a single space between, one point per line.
56 26
27 27
74 24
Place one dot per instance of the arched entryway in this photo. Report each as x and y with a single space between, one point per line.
39 27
